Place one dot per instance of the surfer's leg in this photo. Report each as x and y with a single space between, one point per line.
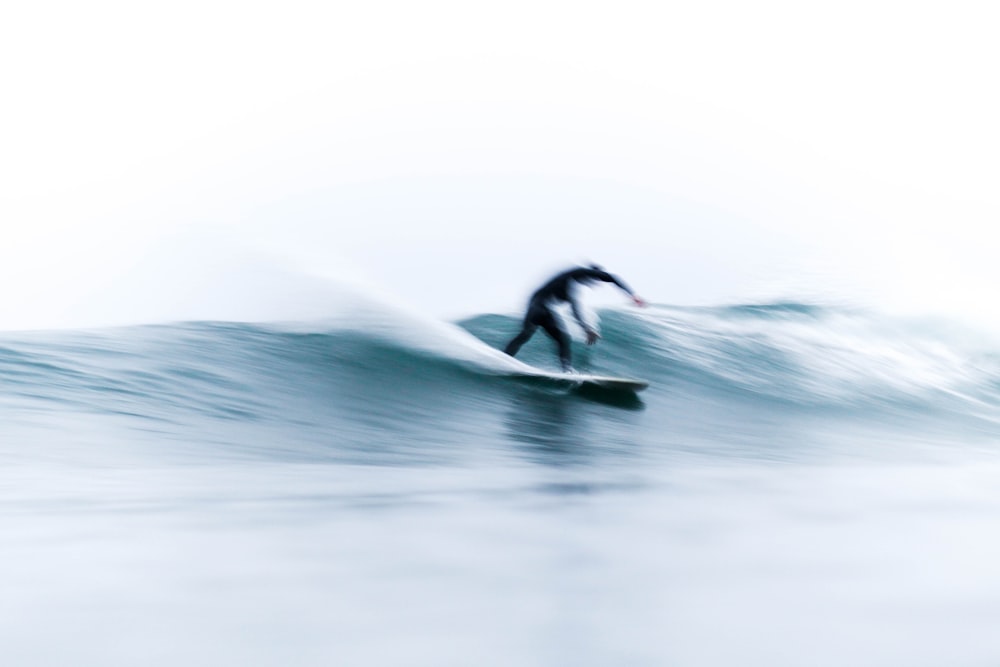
536 314
527 332
562 339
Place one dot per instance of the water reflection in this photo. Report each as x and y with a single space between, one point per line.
550 424
618 399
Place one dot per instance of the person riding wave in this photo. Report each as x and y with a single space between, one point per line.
561 289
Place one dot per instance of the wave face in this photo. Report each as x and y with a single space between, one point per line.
746 380
796 355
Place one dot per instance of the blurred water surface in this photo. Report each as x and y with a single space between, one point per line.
799 485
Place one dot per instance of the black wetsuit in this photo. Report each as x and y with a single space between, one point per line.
540 313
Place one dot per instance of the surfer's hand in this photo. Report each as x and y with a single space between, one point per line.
639 301
592 337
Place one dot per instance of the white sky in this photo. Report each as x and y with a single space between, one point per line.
190 159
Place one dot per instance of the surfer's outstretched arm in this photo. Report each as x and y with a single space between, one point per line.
602 275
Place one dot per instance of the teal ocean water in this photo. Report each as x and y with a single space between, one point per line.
800 484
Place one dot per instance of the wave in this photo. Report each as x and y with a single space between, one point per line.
407 377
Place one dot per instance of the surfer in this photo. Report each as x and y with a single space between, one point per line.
560 289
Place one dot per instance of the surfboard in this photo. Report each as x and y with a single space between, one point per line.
615 384
584 381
